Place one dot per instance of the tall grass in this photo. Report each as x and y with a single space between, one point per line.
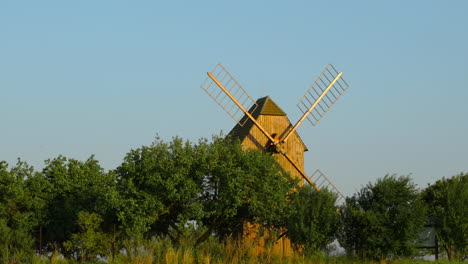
212 251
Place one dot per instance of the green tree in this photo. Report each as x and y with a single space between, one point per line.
38 188
241 186
447 200
313 223
89 241
384 219
74 186
17 218
216 185
158 188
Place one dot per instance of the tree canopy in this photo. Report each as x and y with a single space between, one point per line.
208 189
314 220
242 186
383 219
447 200
156 191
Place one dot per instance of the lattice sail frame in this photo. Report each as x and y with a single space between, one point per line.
322 182
320 97
223 100
314 93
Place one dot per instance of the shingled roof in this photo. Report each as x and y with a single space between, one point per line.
264 106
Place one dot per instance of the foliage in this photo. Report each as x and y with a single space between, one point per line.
75 186
314 221
241 186
17 219
38 188
383 220
158 187
190 202
89 242
160 250
447 200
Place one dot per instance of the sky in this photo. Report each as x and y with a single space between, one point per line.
82 78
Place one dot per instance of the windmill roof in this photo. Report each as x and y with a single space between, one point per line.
263 106
268 107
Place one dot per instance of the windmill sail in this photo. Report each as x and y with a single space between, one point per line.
229 94
233 89
322 182
320 97
324 93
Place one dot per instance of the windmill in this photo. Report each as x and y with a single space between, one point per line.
264 125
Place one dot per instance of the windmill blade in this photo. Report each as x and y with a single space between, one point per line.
229 94
303 174
323 182
317 180
323 94
222 88
320 97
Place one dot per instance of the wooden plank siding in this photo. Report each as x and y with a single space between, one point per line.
274 121
277 125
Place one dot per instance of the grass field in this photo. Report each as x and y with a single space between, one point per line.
161 251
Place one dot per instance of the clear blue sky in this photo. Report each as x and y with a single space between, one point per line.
102 77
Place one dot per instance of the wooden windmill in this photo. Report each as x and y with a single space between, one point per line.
262 124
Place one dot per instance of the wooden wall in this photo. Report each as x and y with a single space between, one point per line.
279 125
295 149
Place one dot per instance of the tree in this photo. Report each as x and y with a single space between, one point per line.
384 219
89 241
447 200
313 223
216 184
17 218
158 188
38 188
74 186
241 186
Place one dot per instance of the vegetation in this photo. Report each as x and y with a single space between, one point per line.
232 251
184 202
383 220
314 221
448 205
